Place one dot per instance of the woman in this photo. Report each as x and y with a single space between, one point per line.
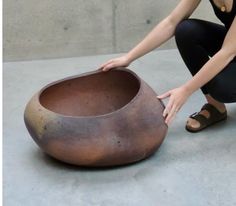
208 50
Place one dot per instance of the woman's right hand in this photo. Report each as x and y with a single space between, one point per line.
122 61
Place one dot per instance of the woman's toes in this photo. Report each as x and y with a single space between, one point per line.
193 123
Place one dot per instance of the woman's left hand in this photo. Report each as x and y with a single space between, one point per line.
177 97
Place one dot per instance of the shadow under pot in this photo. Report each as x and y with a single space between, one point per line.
97 119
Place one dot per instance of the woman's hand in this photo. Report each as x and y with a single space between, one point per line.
122 61
177 97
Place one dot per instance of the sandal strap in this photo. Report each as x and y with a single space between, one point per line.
214 113
200 118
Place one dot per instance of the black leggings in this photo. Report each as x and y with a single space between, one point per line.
197 41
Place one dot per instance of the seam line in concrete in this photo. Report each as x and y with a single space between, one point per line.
114 37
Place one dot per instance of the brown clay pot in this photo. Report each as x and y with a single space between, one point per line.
97 119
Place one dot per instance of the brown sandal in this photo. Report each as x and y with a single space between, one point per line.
215 116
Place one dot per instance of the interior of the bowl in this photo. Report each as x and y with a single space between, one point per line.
91 95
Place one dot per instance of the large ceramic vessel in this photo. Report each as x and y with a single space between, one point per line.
97 119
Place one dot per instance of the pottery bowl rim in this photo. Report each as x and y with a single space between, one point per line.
88 74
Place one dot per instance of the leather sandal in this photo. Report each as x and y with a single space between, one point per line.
215 116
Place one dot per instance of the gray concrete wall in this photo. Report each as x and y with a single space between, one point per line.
35 29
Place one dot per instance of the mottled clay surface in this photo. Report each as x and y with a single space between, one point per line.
97 119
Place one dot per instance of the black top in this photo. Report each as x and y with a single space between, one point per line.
225 17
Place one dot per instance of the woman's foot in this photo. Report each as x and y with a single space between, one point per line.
209 115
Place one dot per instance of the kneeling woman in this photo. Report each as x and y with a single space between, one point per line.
209 52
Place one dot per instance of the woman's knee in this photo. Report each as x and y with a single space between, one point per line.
186 29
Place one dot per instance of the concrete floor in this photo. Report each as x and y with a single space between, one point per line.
188 170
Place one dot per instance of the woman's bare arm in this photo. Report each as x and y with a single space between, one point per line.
159 35
164 30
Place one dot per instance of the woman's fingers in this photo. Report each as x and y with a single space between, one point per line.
167 108
165 95
171 115
169 105
113 63
109 66
171 108
105 64
177 97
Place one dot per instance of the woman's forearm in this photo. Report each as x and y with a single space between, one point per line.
160 34
164 30
214 66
